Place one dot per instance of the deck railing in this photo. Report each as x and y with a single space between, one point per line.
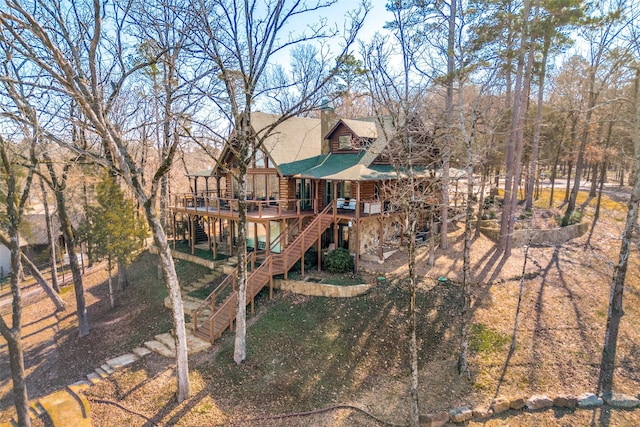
211 203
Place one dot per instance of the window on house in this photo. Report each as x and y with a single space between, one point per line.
344 142
262 160
347 189
273 187
261 187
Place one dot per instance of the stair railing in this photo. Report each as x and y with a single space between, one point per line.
286 229
230 280
304 232
283 232
229 304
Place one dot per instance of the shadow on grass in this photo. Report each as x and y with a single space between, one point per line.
55 356
306 353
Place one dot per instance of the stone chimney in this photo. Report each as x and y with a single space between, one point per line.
328 119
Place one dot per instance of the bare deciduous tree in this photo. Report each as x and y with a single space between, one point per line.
615 312
14 192
398 104
601 33
87 65
241 40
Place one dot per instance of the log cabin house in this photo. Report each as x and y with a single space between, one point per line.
316 183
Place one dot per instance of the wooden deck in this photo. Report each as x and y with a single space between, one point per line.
261 210
267 213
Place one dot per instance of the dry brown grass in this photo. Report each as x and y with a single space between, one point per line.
559 341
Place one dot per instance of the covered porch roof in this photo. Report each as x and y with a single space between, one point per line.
349 167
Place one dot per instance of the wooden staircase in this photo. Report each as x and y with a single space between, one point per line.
218 311
198 231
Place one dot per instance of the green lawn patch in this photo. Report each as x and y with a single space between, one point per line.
483 339
184 247
343 280
309 352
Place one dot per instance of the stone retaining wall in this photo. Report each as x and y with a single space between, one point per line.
550 237
320 289
534 403
210 264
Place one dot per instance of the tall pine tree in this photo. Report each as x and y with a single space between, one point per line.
112 229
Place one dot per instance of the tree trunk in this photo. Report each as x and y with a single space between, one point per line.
567 190
520 108
67 233
451 45
413 342
55 298
594 180
16 365
593 96
78 287
463 366
554 172
14 344
533 165
123 280
164 198
50 239
615 313
171 280
112 297
85 200
513 151
596 215
13 335
240 344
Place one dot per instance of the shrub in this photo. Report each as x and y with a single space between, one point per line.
310 260
574 218
339 261
526 214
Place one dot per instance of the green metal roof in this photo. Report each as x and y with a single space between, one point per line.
293 168
343 167
331 164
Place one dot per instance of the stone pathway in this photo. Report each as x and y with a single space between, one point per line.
70 408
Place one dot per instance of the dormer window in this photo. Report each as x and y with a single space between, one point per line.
344 142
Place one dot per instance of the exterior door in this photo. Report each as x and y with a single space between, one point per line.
304 193
328 192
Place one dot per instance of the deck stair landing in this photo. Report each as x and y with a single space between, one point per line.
223 301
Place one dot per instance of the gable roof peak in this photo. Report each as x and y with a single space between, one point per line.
361 128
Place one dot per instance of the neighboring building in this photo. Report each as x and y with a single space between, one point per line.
318 183
5 261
